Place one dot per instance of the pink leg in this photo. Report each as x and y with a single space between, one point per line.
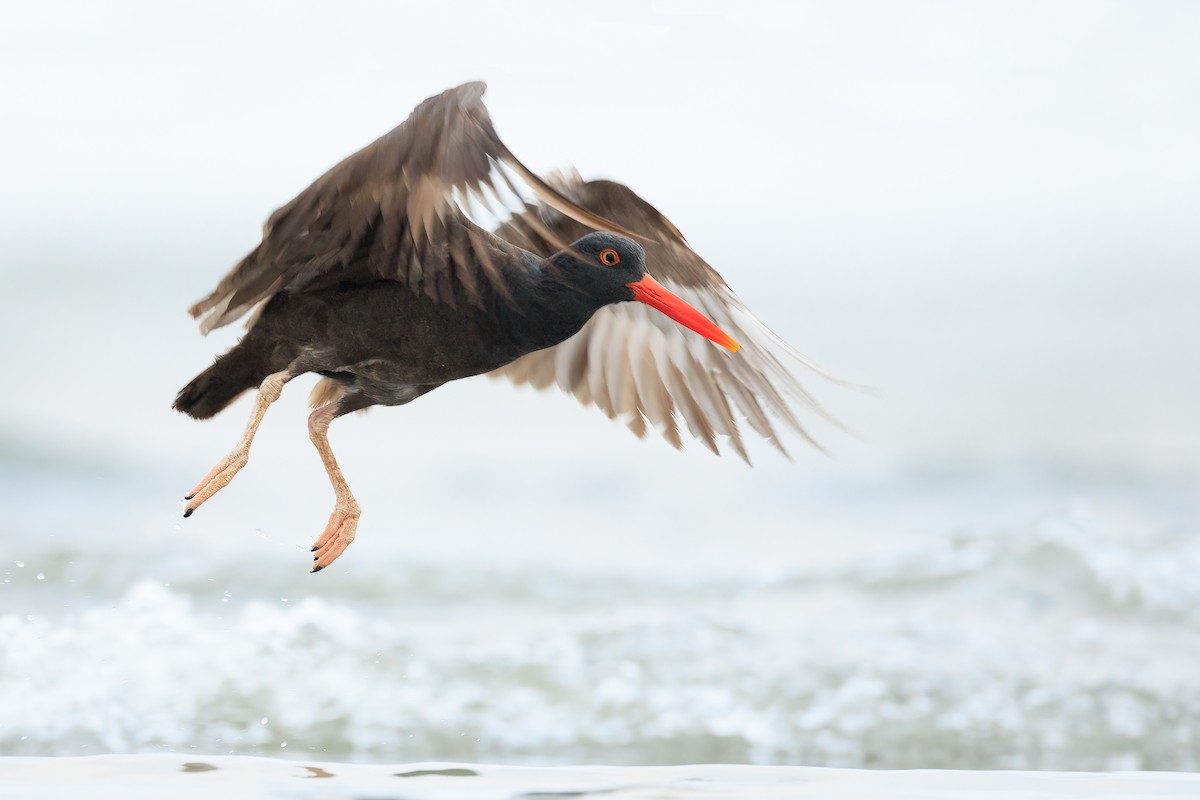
219 476
343 522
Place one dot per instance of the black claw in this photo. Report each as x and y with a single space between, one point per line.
317 569
188 496
314 549
188 513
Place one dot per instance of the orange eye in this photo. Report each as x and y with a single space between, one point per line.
609 257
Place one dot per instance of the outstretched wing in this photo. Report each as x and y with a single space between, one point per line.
637 365
394 210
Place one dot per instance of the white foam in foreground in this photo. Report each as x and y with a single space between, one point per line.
233 777
1053 646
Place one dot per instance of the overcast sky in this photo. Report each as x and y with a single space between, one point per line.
986 209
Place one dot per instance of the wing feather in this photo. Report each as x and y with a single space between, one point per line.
636 364
394 210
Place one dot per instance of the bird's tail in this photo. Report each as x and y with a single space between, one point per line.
240 369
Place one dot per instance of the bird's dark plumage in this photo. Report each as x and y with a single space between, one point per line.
211 391
377 278
389 212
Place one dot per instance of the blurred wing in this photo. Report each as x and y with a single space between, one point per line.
635 364
394 210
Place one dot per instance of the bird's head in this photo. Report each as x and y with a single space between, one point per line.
612 269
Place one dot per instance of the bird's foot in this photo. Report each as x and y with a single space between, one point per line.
337 536
217 479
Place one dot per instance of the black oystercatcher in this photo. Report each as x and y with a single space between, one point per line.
376 278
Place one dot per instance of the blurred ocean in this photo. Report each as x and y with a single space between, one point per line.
998 570
533 585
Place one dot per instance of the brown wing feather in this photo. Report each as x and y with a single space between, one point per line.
389 211
674 375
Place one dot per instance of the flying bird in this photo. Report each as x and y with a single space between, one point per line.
378 278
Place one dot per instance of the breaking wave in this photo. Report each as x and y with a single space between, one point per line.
1048 647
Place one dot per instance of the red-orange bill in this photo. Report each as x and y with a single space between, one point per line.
653 293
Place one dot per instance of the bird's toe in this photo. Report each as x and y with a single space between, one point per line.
216 480
337 536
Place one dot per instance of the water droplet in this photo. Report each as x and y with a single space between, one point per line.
225 597
263 721
283 599
20 563
41 576
177 527
29 617
282 744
